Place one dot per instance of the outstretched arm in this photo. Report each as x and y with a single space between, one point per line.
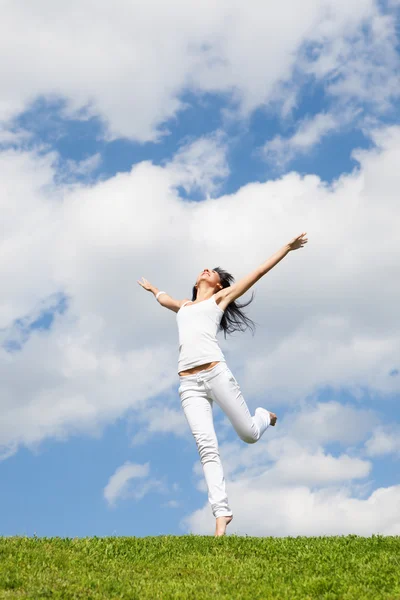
240 287
163 298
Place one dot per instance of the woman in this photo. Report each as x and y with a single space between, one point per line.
203 373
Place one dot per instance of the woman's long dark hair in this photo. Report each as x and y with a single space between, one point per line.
233 318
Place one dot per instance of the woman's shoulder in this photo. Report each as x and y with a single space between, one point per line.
184 301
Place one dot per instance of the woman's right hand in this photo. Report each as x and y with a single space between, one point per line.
146 284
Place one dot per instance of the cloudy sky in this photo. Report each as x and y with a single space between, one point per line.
156 139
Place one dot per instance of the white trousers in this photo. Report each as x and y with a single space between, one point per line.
197 393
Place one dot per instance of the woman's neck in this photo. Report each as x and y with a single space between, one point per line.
204 294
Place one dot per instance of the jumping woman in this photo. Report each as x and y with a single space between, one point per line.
203 373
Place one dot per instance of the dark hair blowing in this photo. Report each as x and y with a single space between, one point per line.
233 318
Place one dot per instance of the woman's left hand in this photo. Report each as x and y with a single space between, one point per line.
298 242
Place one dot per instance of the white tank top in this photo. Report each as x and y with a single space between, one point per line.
197 326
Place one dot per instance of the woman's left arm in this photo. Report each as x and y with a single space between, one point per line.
236 290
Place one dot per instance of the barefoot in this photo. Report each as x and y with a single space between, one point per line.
220 525
273 418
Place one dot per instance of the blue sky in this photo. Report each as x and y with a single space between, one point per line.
76 139
320 352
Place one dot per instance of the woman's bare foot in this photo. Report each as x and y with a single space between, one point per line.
273 418
220 525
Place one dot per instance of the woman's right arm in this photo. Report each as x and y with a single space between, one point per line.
163 298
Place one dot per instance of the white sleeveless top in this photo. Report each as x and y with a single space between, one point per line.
197 327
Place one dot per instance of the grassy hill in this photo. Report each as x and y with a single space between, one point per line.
200 568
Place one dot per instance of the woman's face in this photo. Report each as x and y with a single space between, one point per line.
212 277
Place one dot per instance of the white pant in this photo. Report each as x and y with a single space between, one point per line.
197 393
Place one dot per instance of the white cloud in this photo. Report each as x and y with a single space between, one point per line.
117 484
159 419
29 219
300 437
309 132
86 166
260 510
11 137
131 63
384 440
355 64
317 469
115 348
120 484
286 485
331 422
201 164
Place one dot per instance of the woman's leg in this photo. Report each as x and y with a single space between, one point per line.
198 411
225 390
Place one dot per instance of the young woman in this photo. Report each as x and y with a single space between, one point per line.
203 373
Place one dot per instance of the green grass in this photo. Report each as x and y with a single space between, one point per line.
200 568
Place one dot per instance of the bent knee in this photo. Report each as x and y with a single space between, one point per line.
249 438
